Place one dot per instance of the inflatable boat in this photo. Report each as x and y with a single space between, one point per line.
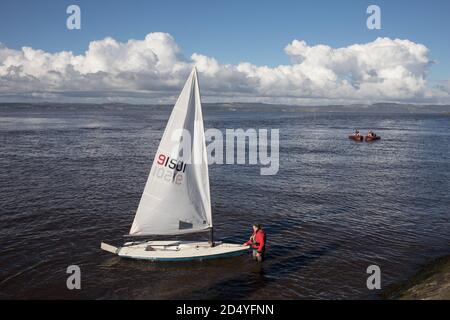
368 138
356 138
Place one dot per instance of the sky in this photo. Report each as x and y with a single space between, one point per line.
299 52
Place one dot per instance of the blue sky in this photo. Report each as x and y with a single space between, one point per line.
230 31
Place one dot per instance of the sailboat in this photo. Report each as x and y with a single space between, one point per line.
176 198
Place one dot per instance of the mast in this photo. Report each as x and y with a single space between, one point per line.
211 230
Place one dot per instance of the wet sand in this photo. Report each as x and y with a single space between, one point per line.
432 282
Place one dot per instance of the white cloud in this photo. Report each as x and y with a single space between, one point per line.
154 68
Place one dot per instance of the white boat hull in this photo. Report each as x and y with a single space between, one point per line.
175 250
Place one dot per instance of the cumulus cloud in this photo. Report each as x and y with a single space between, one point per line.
154 68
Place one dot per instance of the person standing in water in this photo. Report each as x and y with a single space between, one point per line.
258 242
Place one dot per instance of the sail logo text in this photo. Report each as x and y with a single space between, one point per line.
171 163
169 169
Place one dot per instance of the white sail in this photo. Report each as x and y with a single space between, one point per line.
176 197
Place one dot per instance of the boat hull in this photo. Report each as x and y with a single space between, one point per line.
177 250
369 139
355 138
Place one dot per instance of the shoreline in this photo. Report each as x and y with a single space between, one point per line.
431 282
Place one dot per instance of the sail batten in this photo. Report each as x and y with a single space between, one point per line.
176 197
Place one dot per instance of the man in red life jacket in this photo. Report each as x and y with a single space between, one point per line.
258 242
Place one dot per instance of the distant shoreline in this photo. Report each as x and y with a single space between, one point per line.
381 108
432 282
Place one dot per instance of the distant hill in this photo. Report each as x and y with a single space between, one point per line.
236 106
